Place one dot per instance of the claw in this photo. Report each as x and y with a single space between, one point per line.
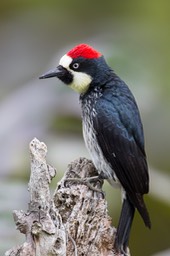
86 181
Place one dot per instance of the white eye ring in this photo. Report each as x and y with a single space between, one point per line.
76 65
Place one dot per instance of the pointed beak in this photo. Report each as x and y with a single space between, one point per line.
57 72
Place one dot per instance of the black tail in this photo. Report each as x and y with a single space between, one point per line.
141 207
124 226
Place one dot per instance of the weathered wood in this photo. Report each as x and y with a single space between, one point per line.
72 222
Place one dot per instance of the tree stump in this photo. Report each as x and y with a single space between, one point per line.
72 222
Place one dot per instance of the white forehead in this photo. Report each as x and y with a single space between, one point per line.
65 61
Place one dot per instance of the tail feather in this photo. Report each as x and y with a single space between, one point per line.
130 202
141 207
124 226
138 201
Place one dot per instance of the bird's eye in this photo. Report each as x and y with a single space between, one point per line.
75 65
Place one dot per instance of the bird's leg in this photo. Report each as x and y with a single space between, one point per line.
93 178
86 181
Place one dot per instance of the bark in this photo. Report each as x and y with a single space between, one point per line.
74 221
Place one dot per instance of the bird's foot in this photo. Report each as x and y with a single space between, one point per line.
86 181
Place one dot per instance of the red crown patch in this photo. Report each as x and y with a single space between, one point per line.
85 51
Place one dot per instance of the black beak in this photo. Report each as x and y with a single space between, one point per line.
60 72
57 72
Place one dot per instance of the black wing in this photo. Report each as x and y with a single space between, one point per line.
120 135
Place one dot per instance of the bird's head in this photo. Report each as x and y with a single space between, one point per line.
79 68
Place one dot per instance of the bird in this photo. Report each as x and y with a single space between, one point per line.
112 131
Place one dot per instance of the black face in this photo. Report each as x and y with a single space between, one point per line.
87 66
96 68
64 75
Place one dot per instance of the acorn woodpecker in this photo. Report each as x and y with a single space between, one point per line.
112 130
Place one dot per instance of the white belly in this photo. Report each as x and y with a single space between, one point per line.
96 154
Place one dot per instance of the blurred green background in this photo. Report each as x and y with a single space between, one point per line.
134 36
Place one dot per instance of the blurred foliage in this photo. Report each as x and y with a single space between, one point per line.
67 124
158 236
142 240
134 37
